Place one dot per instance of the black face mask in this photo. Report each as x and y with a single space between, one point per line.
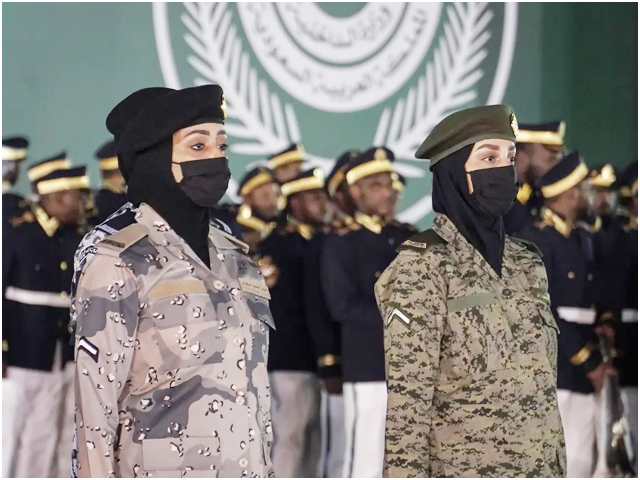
494 189
205 181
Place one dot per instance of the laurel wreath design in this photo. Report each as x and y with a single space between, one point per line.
264 125
255 113
446 85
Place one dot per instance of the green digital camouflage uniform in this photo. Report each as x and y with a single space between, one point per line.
171 357
471 361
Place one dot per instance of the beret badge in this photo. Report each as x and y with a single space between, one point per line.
223 107
514 125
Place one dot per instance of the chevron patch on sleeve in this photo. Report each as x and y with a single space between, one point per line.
90 348
398 314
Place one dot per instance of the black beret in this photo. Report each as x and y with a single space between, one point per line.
336 176
14 148
602 176
467 127
293 153
371 161
152 115
60 180
48 165
254 178
563 176
628 180
551 133
307 180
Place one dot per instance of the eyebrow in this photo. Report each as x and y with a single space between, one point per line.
201 132
495 147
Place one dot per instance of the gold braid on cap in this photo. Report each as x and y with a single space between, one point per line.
567 183
39 171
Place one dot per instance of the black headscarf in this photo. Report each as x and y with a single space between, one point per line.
152 182
451 197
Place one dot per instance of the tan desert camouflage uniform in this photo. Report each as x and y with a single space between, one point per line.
471 361
171 376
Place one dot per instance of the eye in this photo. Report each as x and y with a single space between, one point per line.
490 158
223 147
197 146
512 159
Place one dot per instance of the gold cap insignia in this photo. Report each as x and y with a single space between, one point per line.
223 107
514 125
380 154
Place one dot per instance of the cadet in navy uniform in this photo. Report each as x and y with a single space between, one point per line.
112 194
259 209
14 153
538 148
569 258
292 362
603 181
287 164
37 266
338 191
352 260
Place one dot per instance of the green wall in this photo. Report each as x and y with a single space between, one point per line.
65 65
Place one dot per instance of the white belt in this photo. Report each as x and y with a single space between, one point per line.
586 316
629 315
33 297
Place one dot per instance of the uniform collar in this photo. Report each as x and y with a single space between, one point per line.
49 224
246 218
370 222
552 219
161 233
305 230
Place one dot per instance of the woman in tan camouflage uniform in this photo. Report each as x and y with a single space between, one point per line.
470 340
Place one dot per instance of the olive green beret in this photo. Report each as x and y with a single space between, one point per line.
467 127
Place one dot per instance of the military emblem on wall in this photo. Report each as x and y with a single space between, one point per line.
339 75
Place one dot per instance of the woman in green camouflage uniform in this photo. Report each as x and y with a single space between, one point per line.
470 340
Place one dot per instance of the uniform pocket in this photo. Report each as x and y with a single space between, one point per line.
168 455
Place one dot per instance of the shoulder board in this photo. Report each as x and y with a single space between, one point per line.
528 244
421 241
124 238
26 217
238 243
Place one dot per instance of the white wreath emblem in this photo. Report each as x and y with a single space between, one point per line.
262 124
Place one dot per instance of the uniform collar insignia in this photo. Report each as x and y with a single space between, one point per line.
247 219
552 219
48 224
305 230
524 193
370 222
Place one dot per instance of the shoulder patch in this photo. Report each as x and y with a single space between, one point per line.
124 238
422 241
528 244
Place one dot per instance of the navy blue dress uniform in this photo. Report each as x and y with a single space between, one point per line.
37 269
569 255
352 260
112 195
14 153
526 209
295 343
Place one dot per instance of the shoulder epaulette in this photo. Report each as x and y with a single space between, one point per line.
528 244
421 241
26 217
123 239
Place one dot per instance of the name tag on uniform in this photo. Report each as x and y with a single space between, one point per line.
255 287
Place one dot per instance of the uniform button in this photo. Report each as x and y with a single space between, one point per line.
524 348
237 341
378 274
590 277
240 400
60 323
571 275
534 405
539 463
37 267
63 294
506 293
63 266
244 463
218 284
